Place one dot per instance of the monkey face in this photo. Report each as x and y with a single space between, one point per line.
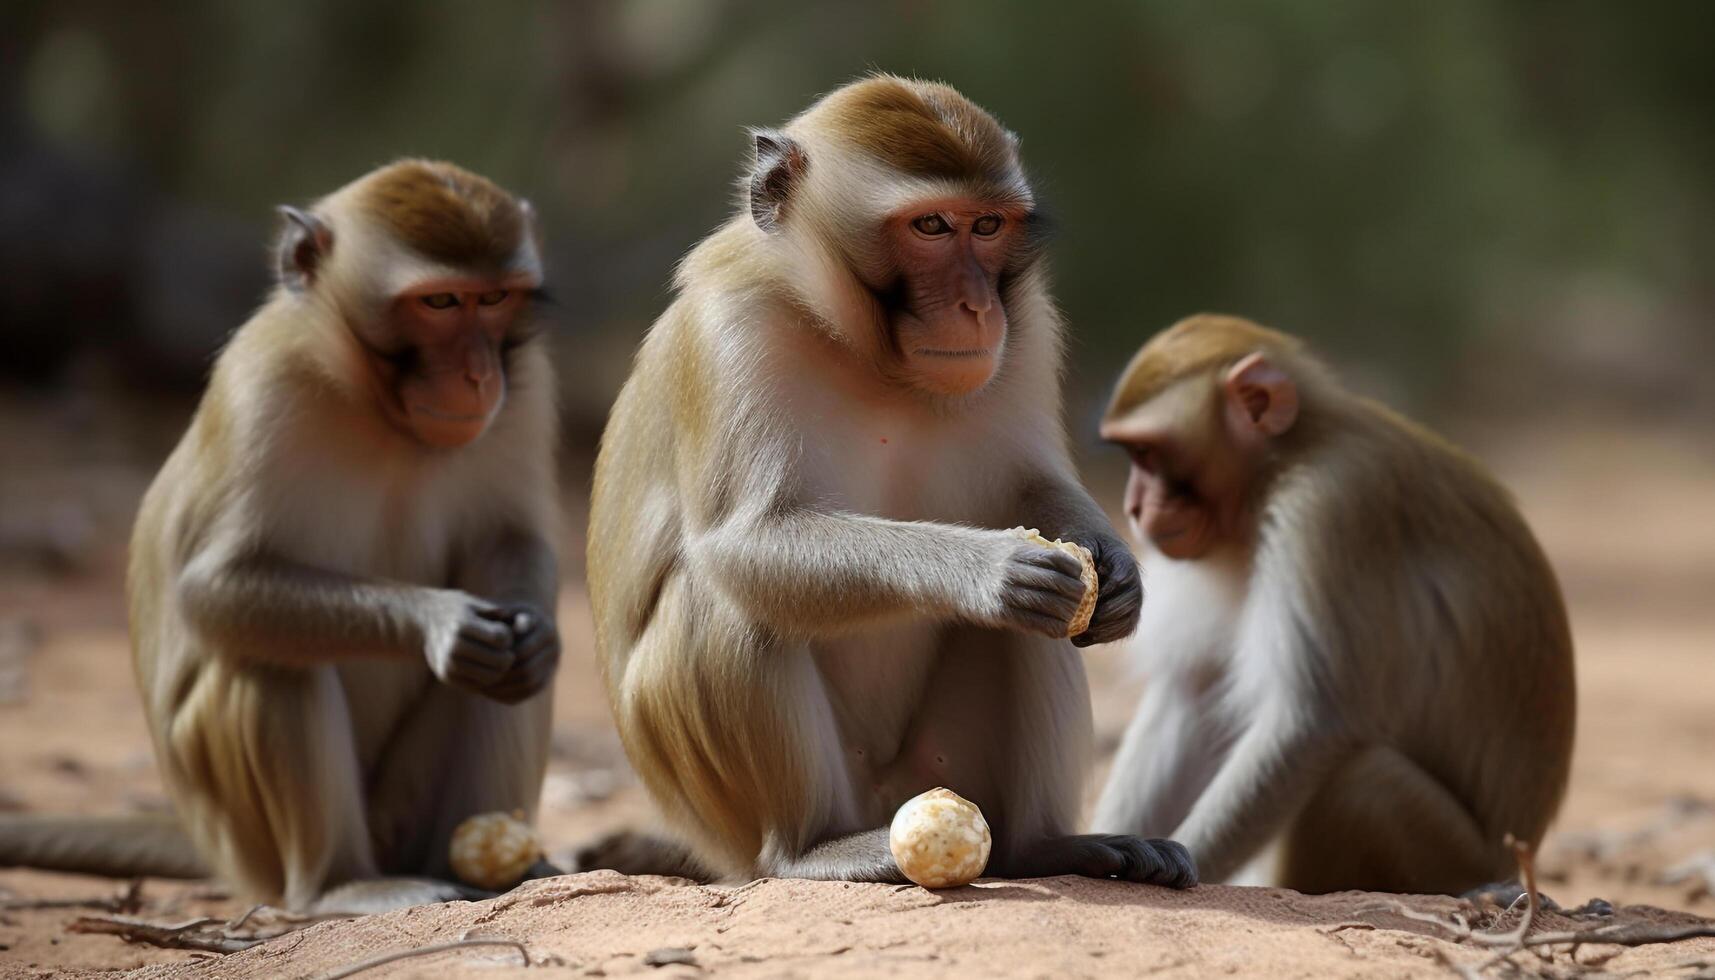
946 316
1183 474
1166 510
443 375
1199 447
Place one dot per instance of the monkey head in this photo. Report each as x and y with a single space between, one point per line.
429 271
1199 410
909 217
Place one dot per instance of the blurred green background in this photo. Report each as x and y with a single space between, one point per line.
1499 208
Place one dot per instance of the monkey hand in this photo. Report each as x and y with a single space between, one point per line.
467 642
1120 599
535 650
1036 589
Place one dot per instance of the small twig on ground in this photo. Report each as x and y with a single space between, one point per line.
1514 941
204 933
1519 938
405 954
127 900
181 936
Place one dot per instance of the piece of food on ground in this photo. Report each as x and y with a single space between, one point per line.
940 839
493 850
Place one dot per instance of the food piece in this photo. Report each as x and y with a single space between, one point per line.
1087 608
940 839
493 850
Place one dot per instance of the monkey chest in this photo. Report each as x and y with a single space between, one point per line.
891 470
368 529
876 681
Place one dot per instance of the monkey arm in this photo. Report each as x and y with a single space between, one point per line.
1171 750
1273 769
513 567
253 604
806 572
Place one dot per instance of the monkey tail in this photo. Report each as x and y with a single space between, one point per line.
140 845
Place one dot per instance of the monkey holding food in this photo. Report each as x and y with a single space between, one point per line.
342 582
1354 645
807 608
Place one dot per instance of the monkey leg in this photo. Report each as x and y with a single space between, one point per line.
454 755
261 764
1007 724
1382 823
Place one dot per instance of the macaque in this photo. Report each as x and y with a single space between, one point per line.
342 582
807 608
1355 650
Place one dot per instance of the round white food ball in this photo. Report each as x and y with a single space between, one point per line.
493 850
940 839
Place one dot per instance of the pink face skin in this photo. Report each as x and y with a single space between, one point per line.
952 324
447 379
1190 481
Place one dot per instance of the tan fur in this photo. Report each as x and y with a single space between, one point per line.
795 556
298 553
1386 680
445 212
920 129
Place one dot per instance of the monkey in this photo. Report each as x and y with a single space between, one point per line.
342 581
806 608
1354 649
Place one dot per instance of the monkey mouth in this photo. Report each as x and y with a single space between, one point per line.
450 416
952 354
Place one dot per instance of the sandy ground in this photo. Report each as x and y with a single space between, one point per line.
1629 521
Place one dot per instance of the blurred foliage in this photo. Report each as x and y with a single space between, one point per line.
1421 187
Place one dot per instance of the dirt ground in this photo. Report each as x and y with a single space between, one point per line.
1628 518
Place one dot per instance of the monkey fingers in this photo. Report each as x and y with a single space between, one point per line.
1042 591
1055 560
535 658
1119 601
480 655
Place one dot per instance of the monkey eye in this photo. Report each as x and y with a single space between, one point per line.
987 225
931 224
440 301
492 297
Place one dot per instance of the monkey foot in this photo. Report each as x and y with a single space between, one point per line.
372 895
632 853
1122 856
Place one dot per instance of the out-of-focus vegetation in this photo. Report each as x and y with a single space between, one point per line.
1471 200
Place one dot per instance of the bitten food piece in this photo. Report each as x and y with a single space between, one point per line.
493 850
1080 619
940 839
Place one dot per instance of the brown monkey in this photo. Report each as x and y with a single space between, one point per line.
342 583
1354 646
806 608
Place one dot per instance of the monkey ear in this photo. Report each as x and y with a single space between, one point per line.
1261 399
780 163
305 243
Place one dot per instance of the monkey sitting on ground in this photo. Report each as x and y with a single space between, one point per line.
342 582
1353 644
806 606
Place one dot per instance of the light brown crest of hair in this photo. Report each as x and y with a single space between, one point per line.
924 129
445 213
1190 347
